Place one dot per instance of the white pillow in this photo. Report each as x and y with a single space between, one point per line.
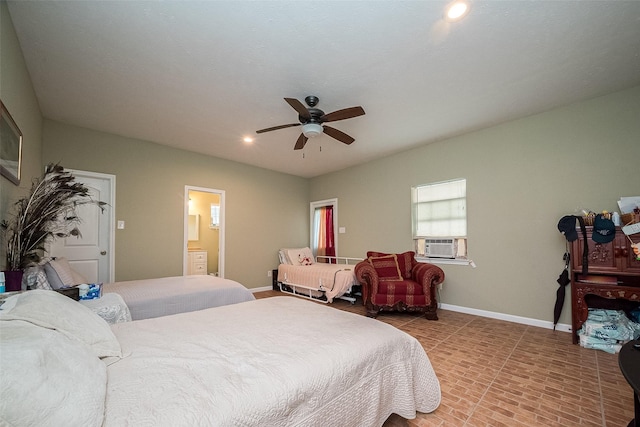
282 256
300 256
48 379
55 311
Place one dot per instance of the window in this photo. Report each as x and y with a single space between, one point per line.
439 217
215 216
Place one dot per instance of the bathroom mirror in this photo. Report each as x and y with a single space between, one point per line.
194 227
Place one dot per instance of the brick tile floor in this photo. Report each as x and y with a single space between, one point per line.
495 373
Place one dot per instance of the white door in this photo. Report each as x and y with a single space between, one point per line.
92 254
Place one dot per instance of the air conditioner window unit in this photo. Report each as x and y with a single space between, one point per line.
440 248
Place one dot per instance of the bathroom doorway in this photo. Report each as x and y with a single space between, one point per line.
203 231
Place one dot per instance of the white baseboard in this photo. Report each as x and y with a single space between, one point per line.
562 327
507 317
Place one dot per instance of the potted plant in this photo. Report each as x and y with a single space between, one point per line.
48 212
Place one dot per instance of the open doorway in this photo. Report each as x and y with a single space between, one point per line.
324 224
203 231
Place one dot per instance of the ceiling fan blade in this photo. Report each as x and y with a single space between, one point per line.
337 134
297 105
277 127
345 113
300 142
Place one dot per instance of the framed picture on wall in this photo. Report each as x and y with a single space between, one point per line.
10 147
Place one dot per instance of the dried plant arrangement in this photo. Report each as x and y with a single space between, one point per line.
47 213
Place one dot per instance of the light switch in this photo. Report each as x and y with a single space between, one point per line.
342 230
120 225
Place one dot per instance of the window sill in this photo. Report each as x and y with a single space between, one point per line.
447 261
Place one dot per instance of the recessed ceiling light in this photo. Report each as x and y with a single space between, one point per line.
248 139
457 10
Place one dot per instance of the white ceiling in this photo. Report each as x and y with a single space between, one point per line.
201 75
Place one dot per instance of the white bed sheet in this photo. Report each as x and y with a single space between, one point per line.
170 295
336 279
249 365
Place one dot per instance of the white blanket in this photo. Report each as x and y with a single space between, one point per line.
249 364
170 295
335 279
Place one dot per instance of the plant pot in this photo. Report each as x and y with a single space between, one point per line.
13 280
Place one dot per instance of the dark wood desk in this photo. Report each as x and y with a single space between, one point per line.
629 361
613 273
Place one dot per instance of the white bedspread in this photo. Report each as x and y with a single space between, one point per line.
250 364
336 279
111 307
170 295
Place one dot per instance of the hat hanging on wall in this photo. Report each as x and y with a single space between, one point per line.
567 226
604 230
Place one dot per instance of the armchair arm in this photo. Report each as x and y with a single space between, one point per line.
428 276
368 278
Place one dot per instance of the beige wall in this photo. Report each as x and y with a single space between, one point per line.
522 177
265 210
16 92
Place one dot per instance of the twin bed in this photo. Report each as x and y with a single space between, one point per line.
234 365
146 298
150 298
324 279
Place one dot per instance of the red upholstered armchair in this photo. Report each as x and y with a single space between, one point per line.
397 282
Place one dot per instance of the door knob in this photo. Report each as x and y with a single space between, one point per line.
103 252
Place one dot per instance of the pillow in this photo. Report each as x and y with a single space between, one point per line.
61 275
55 311
36 278
52 277
300 256
48 379
405 261
386 267
283 256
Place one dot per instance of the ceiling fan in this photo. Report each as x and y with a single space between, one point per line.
312 119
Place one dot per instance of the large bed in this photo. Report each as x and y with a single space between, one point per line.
244 364
171 295
321 279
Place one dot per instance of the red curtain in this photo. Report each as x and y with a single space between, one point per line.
329 237
326 238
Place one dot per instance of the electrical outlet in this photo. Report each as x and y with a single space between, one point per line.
269 273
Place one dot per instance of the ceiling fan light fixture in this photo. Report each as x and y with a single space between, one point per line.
311 130
311 120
